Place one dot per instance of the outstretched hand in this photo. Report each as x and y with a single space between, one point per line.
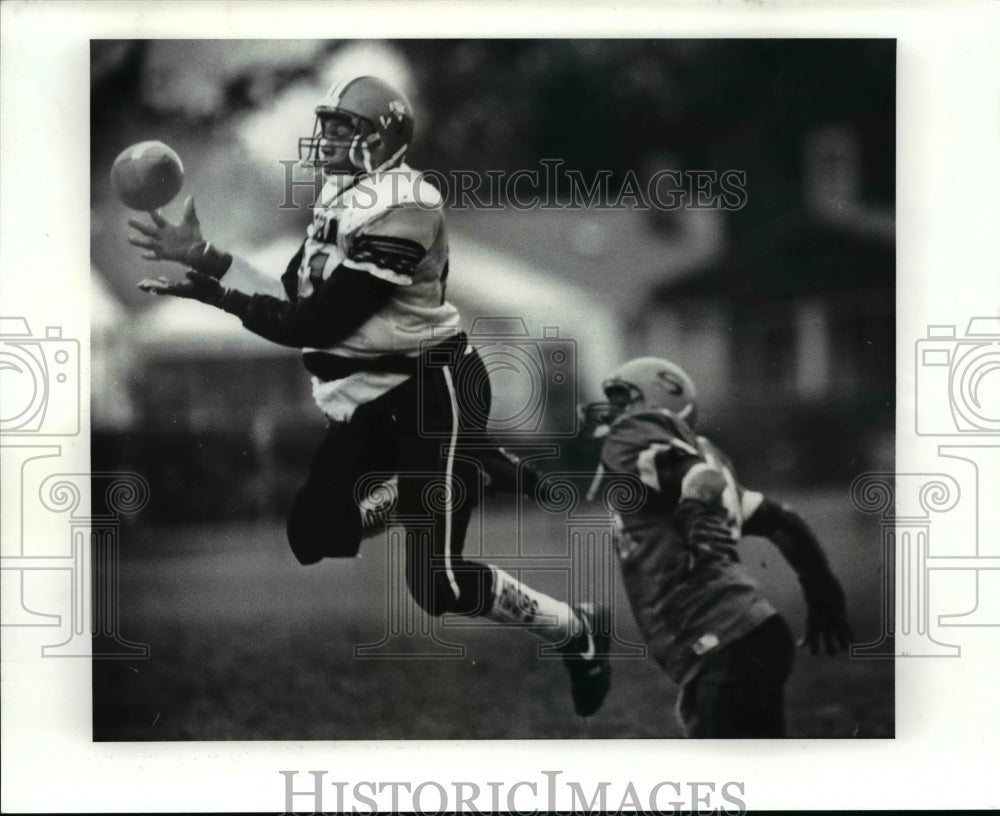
198 286
826 618
165 241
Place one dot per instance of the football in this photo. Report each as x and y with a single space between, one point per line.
147 175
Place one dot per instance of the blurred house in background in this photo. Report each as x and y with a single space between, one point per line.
615 256
788 329
792 332
201 370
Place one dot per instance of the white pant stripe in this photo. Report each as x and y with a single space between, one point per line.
449 475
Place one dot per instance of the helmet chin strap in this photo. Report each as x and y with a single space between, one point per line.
361 157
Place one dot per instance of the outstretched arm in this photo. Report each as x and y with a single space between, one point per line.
826 622
335 310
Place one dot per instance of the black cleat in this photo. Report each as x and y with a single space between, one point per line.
590 670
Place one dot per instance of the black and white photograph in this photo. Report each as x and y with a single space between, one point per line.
408 395
447 362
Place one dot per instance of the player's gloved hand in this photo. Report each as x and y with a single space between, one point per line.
198 286
826 618
701 518
165 241
705 534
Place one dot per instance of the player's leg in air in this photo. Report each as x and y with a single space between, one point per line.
340 503
446 412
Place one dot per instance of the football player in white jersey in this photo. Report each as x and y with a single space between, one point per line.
364 298
704 620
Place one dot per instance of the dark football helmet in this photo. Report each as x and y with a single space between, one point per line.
363 125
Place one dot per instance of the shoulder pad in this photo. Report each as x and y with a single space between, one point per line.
634 433
403 186
654 425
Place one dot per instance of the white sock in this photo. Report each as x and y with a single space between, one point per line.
546 618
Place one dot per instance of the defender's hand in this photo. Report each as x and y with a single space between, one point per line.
826 619
704 533
197 287
166 241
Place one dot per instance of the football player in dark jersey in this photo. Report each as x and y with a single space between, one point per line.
702 617
402 390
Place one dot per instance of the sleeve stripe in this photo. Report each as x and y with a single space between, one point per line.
392 245
401 256
646 464
379 272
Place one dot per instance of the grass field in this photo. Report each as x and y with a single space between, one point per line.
246 644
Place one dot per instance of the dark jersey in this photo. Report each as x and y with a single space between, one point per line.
684 612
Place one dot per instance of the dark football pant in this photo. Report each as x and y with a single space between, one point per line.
739 690
417 430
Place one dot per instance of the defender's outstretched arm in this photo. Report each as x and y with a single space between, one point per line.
826 621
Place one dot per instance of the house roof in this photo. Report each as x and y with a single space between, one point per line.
615 256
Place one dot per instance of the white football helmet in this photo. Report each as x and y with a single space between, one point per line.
645 382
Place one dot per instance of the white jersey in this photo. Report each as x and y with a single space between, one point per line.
372 227
390 226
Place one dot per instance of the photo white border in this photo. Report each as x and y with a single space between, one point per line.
948 121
